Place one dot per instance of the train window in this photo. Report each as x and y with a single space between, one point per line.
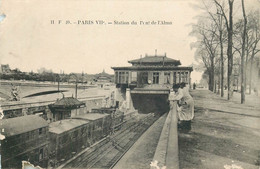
89 131
40 131
41 154
83 130
74 134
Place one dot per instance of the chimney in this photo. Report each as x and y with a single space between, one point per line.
163 60
155 52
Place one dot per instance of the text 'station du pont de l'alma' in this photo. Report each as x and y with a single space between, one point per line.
115 22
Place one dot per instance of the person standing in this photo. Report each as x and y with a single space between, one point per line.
185 108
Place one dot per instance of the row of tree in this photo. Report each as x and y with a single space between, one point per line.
226 40
49 76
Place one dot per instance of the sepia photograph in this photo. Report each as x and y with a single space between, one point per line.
130 84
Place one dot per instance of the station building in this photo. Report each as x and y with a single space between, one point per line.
150 79
66 107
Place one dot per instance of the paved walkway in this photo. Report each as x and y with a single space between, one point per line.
142 152
225 134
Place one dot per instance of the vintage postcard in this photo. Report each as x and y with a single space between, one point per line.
138 84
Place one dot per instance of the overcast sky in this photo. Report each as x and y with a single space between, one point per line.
29 41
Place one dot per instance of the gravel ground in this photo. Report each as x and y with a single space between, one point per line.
225 134
142 152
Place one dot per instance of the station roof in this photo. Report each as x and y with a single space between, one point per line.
22 124
155 59
67 102
142 67
62 126
91 116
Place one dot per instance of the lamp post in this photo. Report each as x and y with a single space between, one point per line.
76 87
58 80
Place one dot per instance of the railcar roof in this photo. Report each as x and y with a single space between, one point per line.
92 116
62 126
23 124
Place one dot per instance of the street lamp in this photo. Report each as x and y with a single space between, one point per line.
58 79
76 87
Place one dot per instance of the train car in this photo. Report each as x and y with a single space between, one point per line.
68 137
117 116
104 110
117 120
25 140
100 124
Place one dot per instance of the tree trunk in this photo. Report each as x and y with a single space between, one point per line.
222 64
229 49
215 86
250 76
242 56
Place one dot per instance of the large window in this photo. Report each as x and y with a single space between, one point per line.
122 77
116 77
182 77
126 77
178 77
134 77
167 78
186 77
155 77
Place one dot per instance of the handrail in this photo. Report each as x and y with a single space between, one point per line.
172 157
167 151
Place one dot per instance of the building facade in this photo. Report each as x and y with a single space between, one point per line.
152 71
146 84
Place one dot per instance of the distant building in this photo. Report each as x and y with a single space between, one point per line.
103 77
25 139
5 69
66 107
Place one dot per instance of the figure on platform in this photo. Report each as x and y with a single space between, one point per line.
194 86
14 93
185 108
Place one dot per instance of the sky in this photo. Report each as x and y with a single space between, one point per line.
29 40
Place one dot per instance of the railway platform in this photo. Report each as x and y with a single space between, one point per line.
225 134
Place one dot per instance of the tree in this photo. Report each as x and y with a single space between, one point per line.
217 17
206 47
243 54
229 26
246 40
253 19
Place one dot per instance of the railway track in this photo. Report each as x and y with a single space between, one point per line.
108 152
